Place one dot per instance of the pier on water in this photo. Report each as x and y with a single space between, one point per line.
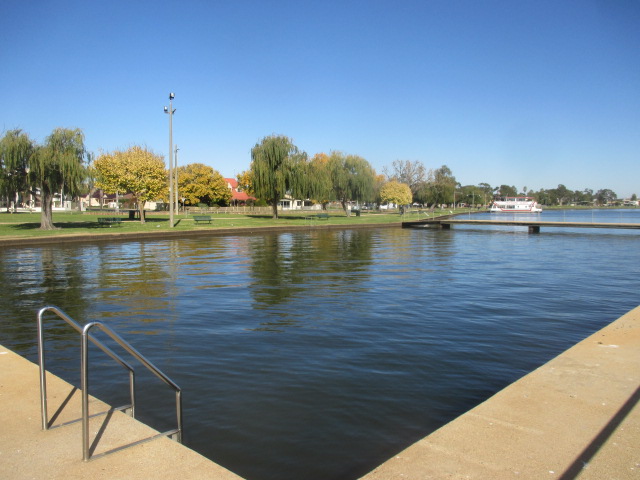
533 226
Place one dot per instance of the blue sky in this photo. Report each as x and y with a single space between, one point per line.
524 93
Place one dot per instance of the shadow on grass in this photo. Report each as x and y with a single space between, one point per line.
24 227
264 216
287 217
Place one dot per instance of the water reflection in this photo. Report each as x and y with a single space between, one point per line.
32 278
134 280
297 269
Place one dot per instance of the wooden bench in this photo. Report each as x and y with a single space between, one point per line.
202 219
102 221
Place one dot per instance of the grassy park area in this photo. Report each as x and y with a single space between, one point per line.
27 225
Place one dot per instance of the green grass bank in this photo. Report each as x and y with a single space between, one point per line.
17 226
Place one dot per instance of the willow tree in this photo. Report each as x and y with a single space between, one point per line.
137 171
16 149
277 168
58 167
352 178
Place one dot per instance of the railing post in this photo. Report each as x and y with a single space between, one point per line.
132 392
179 413
43 372
84 385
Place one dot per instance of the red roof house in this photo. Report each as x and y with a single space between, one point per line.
237 196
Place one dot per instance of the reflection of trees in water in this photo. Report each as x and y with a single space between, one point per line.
136 279
205 264
63 282
18 320
407 246
288 267
135 283
32 279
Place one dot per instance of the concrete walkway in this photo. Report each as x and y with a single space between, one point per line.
28 452
575 417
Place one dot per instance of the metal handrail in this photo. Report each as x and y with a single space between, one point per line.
43 371
85 383
84 377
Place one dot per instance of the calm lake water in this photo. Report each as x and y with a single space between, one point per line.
319 354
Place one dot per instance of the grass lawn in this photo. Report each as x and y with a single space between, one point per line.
27 225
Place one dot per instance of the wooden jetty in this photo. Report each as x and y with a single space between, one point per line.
533 225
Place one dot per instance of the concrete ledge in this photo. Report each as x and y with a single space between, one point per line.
28 452
575 417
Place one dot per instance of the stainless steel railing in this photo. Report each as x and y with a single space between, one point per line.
85 384
84 378
43 370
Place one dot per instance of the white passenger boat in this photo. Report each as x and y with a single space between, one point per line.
515 205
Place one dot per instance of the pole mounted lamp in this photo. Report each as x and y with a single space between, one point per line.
170 110
175 164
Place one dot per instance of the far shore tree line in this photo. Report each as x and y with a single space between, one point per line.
278 170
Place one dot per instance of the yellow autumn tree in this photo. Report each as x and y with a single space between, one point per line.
396 192
378 182
199 183
137 171
245 182
321 186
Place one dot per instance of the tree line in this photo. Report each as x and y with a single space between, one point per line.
142 174
470 194
62 165
279 168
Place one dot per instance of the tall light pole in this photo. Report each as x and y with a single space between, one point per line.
175 160
170 111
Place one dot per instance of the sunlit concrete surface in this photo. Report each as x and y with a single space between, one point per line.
28 452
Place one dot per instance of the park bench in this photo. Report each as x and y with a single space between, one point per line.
318 216
202 219
102 221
